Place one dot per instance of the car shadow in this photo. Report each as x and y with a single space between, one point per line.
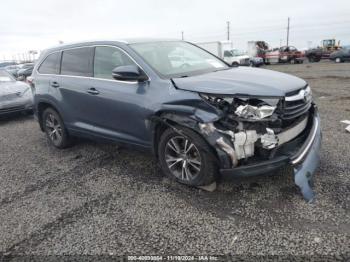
274 190
15 117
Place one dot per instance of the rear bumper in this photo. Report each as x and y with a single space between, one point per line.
306 158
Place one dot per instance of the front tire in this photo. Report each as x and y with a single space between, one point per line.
55 129
186 158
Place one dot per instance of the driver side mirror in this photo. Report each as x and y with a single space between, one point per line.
129 73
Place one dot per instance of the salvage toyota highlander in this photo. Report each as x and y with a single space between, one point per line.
200 117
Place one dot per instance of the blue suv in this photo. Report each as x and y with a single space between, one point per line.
200 117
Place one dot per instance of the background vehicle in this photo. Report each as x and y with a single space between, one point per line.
239 57
256 61
15 96
327 47
225 51
25 71
340 55
284 54
199 119
257 49
13 69
4 64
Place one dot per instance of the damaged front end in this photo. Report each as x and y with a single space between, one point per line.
255 135
260 135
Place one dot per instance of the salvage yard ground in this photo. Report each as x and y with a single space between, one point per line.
100 199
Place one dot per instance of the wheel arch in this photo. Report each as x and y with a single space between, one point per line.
175 120
41 107
163 121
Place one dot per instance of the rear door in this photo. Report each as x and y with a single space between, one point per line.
73 86
46 76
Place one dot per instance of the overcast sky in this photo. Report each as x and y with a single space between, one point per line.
38 24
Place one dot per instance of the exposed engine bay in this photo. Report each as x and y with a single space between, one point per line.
252 126
254 135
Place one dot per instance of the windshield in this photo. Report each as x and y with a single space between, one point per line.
236 52
5 77
178 59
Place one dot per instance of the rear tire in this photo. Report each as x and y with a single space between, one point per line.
186 158
338 60
55 129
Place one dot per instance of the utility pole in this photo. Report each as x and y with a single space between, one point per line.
182 35
228 30
288 32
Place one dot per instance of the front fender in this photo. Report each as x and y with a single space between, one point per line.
175 116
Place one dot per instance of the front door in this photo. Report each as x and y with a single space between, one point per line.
117 106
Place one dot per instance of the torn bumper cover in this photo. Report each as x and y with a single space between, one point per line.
303 156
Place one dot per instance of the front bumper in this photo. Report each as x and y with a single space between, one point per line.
304 160
258 62
17 107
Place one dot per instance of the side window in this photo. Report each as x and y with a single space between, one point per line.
227 54
107 58
77 61
51 64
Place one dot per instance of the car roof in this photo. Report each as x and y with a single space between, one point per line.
126 41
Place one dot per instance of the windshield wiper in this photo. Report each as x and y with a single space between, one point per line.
222 69
181 76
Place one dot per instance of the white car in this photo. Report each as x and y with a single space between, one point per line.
15 96
235 57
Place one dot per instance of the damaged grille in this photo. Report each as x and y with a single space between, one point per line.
296 104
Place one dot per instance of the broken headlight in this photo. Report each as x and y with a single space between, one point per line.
254 112
248 108
308 93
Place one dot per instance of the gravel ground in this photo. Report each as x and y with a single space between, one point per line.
100 199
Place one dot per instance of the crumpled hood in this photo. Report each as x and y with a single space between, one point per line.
7 88
242 81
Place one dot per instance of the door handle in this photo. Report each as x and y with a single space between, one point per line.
93 91
54 84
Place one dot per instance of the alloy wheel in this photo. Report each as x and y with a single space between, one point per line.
54 129
182 158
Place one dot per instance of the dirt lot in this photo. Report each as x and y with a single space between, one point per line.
100 199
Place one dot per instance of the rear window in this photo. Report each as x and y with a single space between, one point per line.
51 64
77 62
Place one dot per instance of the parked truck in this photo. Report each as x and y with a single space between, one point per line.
284 54
225 51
